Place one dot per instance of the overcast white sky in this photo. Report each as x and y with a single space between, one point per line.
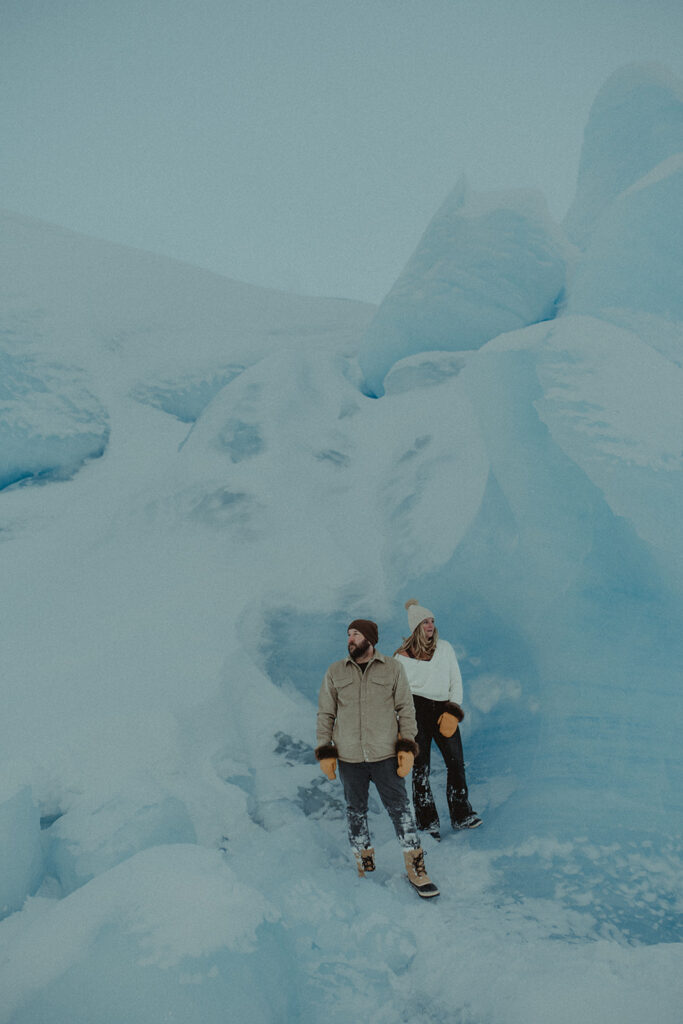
301 144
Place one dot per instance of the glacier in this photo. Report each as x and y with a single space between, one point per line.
486 264
204 482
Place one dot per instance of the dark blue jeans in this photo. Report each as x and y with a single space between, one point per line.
355 779
427 713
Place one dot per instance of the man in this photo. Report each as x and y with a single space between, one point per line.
366 724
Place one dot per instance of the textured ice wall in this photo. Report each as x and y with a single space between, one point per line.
21 853
634 259
487 263
635 123
50 422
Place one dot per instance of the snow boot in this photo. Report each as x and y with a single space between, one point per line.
471 821
417 873
365 861
432 830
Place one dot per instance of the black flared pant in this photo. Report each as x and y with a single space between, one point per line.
426 814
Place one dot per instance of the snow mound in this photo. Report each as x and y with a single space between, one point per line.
171 934
487 263
96 835
635 123
298 417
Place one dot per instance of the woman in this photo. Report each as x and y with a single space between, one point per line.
434 676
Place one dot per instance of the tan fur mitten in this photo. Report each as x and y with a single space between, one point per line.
327 759
447 724
448 720
405 762
328 765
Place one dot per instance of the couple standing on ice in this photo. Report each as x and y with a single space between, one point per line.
377 717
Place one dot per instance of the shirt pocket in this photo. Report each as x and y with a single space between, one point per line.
348 691
380 692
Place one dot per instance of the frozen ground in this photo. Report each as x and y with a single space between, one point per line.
199 493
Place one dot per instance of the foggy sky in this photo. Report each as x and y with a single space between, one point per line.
297 144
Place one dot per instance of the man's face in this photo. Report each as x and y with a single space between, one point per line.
358 645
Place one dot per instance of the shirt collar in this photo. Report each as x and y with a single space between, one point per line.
377 656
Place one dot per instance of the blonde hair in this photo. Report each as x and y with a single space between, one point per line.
418 646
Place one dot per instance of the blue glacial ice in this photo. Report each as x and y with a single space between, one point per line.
487 263
633 262
635 123
50 421
168 619
21 851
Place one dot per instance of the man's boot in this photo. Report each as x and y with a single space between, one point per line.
365 861
417 873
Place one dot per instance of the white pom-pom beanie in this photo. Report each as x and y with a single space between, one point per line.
417 614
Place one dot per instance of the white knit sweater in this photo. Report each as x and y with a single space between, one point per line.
438 679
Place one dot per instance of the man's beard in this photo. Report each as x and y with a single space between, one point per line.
361 648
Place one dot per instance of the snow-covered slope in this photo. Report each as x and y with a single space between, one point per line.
84 321
201 495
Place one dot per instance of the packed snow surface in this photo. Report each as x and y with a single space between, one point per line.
199 493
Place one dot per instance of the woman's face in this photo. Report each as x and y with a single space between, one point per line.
428 628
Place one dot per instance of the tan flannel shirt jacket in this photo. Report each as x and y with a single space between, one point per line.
362 713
